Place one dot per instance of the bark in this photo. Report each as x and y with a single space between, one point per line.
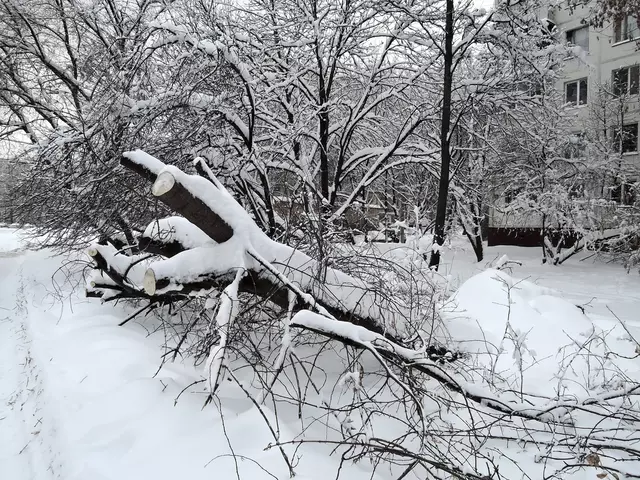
445 146
261 286
158 247
476 243
180 200
259 283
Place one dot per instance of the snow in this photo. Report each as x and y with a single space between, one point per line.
178 229
379 347
227 312
218 259
584 280
150 162
531 315
321 323
513 320
10 241
134 265
81 398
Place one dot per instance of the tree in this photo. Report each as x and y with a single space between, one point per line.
229 254
319 112
563 167
66 73
609 10
509 45
316 85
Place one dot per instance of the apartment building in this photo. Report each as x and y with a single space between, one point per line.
610 60
604 67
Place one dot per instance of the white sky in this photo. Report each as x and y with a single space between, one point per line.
484 3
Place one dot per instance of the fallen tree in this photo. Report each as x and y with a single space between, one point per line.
215 249
220 238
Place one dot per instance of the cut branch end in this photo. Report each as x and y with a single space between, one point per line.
149 282
163 184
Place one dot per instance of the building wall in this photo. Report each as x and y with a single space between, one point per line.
597 65
604 55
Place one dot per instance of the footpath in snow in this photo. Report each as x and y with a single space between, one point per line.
82 399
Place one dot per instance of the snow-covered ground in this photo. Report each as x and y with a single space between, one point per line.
584 280
535 324
82 399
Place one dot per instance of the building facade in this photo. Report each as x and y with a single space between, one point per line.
601 74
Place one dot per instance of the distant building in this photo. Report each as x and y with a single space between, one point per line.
605 65
7 180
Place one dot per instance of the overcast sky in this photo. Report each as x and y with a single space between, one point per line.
484 3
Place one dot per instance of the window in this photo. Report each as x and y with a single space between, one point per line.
625 28
626 80
626 138
576 92
579 37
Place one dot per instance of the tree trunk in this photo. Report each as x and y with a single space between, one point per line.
344 297
178 198
445 147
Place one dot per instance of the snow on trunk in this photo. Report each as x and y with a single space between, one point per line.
227 312
340 293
